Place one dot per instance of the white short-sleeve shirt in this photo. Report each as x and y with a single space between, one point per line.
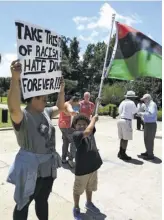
127 109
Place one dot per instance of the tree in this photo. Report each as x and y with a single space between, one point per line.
70 86
1 93
74 58
149 85
113 94
85 75
93 63
65 67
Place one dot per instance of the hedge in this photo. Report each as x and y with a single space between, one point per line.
105 111
159 115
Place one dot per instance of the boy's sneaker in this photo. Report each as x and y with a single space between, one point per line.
71 163
91 207
77 214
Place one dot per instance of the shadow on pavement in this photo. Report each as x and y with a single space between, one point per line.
67 167
156 160
132 161
135 161
139 129
158 137
91 216
113 162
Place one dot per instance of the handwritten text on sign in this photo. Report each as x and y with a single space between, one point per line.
40 53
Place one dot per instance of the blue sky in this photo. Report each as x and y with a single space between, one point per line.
89 21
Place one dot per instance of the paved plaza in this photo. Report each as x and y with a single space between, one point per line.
126 191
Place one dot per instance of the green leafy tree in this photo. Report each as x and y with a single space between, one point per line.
113 94
65 66
74 58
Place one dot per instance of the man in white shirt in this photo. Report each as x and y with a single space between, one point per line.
127 109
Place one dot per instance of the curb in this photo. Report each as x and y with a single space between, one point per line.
158 134
11 128
6 129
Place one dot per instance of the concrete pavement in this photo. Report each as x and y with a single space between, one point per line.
127 191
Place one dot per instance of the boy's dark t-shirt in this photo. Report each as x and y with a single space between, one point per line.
88 158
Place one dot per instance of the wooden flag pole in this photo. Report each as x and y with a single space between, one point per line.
104 67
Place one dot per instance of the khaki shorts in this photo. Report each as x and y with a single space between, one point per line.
86 182
125 130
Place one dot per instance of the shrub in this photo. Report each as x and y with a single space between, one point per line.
105 110
159 115
113 94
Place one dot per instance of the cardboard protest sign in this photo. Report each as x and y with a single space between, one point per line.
39 51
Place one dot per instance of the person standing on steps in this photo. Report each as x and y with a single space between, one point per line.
64 123
35 166
87 107
150 121
127 109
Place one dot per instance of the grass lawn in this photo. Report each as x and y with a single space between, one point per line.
3 100
4 125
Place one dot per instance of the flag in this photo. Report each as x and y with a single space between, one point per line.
136 55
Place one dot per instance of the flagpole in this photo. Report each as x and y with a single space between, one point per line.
113 53
104 67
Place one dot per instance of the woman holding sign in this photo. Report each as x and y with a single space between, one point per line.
36 163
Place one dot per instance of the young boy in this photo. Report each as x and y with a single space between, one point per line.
88 161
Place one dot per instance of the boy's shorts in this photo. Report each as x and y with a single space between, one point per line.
86 182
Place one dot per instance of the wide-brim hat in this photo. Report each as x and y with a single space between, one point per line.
131 94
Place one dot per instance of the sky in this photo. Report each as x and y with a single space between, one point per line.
90 22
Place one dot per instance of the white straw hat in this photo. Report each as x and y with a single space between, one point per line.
130 94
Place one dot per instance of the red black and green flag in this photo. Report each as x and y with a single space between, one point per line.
136 55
